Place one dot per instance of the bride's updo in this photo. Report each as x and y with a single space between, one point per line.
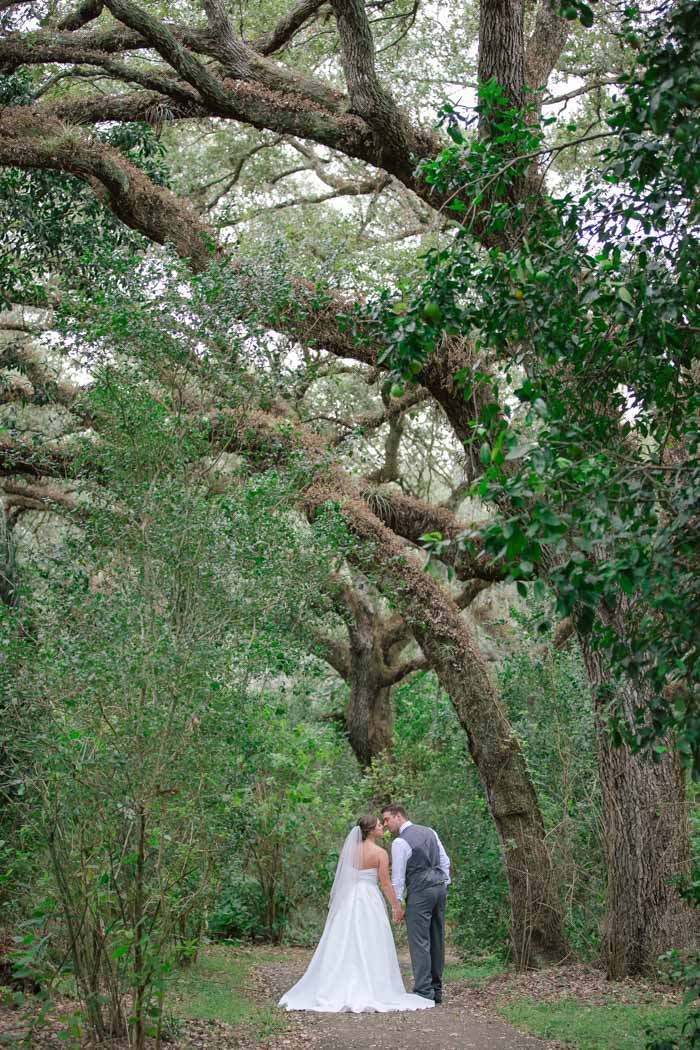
367 823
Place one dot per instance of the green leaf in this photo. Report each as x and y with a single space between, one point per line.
626 583
585 620
585 15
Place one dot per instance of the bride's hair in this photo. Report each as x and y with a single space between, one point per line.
367 823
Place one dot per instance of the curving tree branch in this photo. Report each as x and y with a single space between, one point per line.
368 97
138 202
288 27
544 47
84 13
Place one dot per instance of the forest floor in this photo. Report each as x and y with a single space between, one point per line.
458 1024
227 1001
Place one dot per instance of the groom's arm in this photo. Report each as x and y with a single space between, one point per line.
444 860
400 853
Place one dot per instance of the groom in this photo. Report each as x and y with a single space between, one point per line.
420 866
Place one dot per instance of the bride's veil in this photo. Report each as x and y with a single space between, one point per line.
347 872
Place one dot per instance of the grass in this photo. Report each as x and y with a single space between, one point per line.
476 971
569 1022
610 1026
216 988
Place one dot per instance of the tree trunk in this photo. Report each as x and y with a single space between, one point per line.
369 716
447 642
8 564
502 48
646 840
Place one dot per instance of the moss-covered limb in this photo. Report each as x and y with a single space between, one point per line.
48 50
138 202
412 518
254 90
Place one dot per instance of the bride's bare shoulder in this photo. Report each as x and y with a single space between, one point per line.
371 855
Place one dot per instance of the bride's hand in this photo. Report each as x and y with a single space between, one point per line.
397 914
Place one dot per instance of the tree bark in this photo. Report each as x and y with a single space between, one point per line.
646 839
502 48
543 50
369 715
8 563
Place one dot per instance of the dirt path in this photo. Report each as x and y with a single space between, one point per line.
461 1023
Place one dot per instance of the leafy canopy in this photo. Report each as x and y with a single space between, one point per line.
583 316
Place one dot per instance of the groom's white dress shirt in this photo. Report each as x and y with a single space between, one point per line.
400 855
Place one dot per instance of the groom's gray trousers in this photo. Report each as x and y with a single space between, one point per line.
425 922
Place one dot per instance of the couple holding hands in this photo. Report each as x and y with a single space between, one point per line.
355 967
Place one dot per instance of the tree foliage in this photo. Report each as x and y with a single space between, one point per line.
586 328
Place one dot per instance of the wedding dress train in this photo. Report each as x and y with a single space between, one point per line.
355 967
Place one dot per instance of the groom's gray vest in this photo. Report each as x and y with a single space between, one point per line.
423 868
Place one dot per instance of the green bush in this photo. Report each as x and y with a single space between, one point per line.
286 816
238 911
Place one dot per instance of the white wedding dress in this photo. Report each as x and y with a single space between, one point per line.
355 967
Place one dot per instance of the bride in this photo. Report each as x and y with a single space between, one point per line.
354 967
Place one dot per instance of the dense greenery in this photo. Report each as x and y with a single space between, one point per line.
136 710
